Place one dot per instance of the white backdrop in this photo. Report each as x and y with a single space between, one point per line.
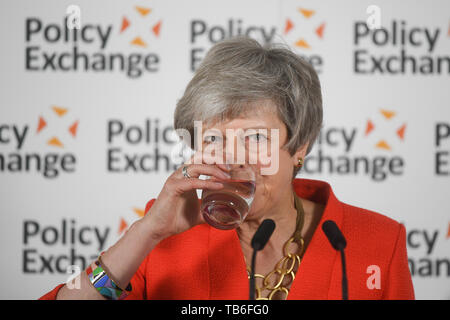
72 111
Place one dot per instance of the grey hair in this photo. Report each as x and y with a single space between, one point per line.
239 71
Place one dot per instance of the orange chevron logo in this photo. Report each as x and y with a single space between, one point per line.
143 23
123 226
73 129
306 13
139 212
143 11
125 24
302 44
306 19
288 26
55 142
59 111
386 115
320 29
383 145
369 127
401 131
448 232
57 116
41 125
138 42
157 28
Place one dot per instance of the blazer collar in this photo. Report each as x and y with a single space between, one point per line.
227 269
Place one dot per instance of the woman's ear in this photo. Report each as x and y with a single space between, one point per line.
300 154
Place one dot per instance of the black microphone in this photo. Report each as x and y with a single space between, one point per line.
259 241
338 242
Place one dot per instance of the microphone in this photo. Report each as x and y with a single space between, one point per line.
258 243
338 242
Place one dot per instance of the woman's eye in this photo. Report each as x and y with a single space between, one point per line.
211 139
257 137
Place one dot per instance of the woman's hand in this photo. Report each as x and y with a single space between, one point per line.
177 208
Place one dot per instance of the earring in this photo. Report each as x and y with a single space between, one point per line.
300 162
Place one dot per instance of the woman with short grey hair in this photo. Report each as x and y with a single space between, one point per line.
173 252
237 72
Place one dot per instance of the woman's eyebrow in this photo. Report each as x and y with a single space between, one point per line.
215 130
212 131
256 127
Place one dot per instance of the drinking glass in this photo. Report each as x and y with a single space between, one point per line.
228 207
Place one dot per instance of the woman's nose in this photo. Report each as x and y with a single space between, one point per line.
235 151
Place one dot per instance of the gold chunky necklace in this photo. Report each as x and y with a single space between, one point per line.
283 275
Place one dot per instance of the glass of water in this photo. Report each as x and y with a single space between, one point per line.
228 207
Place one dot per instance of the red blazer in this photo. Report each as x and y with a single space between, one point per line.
207 263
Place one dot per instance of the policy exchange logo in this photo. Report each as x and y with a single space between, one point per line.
361 150
23 145
51 46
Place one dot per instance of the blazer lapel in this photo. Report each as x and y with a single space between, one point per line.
315 272
227 269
